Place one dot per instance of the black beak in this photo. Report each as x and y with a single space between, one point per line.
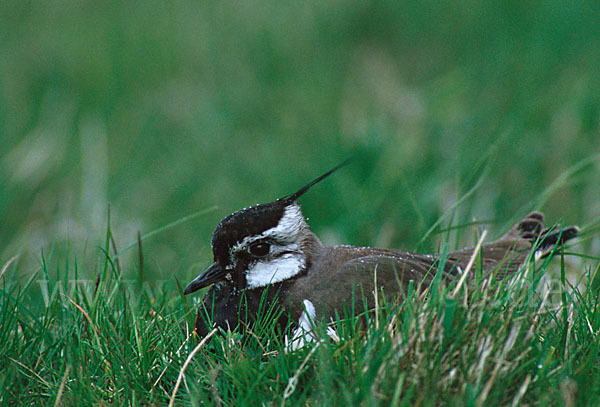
211 275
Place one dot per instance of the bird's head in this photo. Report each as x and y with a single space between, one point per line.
260 245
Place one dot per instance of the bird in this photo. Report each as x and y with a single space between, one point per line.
266 257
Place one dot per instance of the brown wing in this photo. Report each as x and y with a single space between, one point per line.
347 285
353 284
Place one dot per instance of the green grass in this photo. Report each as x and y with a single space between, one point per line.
530 340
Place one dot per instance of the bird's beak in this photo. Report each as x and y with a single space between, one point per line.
211 275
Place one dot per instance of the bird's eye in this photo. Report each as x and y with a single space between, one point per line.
260 249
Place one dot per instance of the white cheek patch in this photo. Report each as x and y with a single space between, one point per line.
275 270
303 334
285 259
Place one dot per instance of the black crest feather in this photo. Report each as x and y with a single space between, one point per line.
291 198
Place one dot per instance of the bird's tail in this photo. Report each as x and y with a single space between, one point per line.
506 255
543 241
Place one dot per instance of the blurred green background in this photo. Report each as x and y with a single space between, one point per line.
162 109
